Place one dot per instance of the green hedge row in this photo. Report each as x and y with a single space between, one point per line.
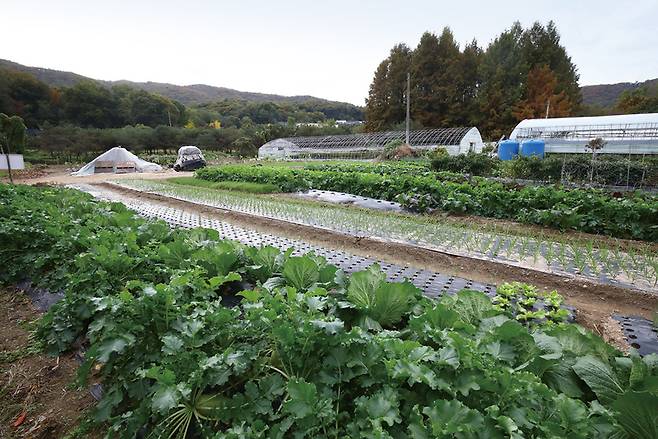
634 215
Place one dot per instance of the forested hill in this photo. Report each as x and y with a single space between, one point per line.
607 95
186 94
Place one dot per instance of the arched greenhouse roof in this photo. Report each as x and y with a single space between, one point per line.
438 136
454 139
617 126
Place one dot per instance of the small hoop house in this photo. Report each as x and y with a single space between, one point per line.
117 161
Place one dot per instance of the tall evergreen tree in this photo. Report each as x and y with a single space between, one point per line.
377 102
490 89
542 97
540 45
424 67
448 81
469 84
396 84
502 73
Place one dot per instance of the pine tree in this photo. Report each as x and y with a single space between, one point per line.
540 45
542 95
396 84
377 102
502 73
425 65
469 83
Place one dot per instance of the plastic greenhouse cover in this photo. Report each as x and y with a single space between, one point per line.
116 155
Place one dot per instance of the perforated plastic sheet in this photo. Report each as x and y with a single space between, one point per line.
432 283
640 333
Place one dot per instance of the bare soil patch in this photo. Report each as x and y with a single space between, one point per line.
37 397
595 303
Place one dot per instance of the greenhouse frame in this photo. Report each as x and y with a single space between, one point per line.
622 134
370 145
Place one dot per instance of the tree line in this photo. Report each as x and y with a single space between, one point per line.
69 143
70 123
519 75
89 104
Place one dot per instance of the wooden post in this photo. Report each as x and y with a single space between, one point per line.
11 179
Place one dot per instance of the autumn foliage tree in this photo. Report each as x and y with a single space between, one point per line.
514 78
541 98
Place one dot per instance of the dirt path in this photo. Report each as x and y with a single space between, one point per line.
33 384
62 175
595 302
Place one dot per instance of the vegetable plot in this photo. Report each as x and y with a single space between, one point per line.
637 269
632 216
192 336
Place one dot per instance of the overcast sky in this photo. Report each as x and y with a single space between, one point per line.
292 47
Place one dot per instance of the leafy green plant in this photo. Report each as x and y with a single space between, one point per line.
176 360
382 303
588 210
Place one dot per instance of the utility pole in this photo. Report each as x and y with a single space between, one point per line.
408 104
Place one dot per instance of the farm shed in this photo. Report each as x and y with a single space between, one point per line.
623 134
370 145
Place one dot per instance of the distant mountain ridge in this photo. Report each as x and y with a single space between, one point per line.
606 95
186 94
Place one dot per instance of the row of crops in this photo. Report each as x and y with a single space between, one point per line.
632 215
194 336
608 264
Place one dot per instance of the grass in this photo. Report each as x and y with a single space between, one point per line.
233 186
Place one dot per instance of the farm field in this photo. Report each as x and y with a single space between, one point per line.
206 325
636 268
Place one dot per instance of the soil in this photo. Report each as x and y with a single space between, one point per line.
62 175
595 303
32 383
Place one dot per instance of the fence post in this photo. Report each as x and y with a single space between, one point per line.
2 151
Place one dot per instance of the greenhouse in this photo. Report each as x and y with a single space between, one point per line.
622 134
370 145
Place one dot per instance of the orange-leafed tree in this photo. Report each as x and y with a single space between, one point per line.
541 93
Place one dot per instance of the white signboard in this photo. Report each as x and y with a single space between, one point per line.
16 161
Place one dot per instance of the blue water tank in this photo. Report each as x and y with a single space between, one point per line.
508 149
533 148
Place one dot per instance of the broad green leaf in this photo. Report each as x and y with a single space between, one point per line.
363 284
117 345
251 295
472 306
274 282
171 344
301 272
501 351
448 356
561 377
383 406
303 398
450 417
217 281
391 301
600 377
638 414
328 274
572 412
331 327
441 316
164 399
